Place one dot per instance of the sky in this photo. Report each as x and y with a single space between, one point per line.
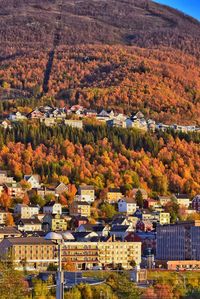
190 7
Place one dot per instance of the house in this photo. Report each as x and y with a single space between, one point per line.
61 188
79 208
117 121
113 195
52 207
6 124
120 220
105 115
14 190
120 231
164 218
196 203
3 217
74 123
164 200
90 113
26 211
9 232
35 114
127 205
33 180
84 236
150 203
101 230
49 121
156 217
54 222
4 178
86 193
17 116
76 221
144 193
29 225
182 199
144 225
44 191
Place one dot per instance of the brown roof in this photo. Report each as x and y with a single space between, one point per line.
29 240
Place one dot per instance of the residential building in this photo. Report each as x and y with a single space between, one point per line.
127 205
52 207
144 226
114 253
113 195
110 253
26 211
182 199
31 252
14 190
18 116
74 123
49 121
180 241
164 200
151 203
54 222
33 180
86 193
196 203
164 218
101 230
148 240
120 231
35 114
84 255
79 208
76 221
4 178
3 216
29 225
43 191
61 188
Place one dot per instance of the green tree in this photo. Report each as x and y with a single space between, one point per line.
139 198
108 210
12 283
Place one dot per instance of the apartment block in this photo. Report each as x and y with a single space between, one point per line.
180 241
35 252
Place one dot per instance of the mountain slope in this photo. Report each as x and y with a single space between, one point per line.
34 23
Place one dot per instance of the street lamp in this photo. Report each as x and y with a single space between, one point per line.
58 239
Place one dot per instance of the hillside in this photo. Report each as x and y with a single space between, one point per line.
164 84
124 55
42 24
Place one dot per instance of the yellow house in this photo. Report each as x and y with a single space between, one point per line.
55 222
79 208
113 195
164 218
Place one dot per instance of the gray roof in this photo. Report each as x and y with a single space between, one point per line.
9 230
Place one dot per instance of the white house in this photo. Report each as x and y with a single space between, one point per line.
25 211
127 205
52 208
33 180
182 199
